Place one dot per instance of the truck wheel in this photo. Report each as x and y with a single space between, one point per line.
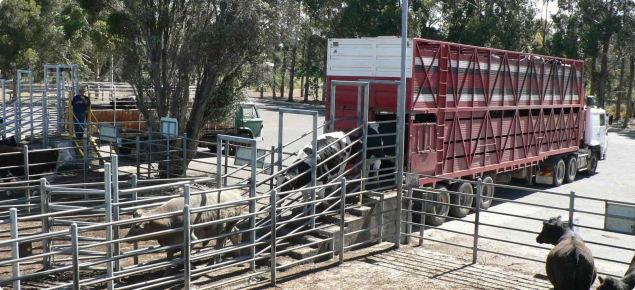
438 209
462 200
592 165
572 169
212 148
488 191
559 172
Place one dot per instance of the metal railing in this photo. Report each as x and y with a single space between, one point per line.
567 205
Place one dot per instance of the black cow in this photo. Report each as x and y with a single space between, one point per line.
9 142
332 143
625 283
570 264
48 162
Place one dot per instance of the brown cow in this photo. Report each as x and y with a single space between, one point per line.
570 263
177 204
625 283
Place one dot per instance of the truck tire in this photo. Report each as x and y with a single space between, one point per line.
438 209
572 169
559 172
488 191
462 200
592 165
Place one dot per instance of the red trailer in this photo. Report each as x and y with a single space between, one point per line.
475 112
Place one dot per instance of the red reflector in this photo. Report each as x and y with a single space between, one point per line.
549 168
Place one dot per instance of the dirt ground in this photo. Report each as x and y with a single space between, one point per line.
380 267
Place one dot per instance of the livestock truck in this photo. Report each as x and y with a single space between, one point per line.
473 112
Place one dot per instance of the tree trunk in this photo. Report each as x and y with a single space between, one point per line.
308 70
618 109
273 80
604 73
594 60
292 72
283 70
262 91
324 66
629 99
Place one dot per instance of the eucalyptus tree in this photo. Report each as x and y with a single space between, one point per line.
169 45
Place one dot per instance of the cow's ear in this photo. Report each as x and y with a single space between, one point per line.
143 225
601 279
138 213
559 218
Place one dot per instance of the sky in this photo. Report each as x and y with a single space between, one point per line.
551 7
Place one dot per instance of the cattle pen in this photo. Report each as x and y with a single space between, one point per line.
70 232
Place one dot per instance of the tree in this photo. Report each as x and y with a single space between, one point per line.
169 45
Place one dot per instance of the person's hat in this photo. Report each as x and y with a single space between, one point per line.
82 89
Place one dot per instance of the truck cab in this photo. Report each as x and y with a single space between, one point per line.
248 121
596 135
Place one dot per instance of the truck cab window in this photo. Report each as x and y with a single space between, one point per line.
249 112
602 120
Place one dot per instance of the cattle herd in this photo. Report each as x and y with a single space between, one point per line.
570 264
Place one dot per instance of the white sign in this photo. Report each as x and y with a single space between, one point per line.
243 156
170 126
620 218
108 133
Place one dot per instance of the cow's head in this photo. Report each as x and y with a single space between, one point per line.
11 142
610 283
552 230
288 180
139 229
63 155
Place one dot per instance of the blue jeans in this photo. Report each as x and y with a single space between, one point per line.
80 122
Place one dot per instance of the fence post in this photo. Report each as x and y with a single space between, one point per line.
314 175
424 206
184 154
150 150
135 197
115 208
408 219
167 138
45 222
381 219
187 234
26 177
342 217
477 218
398 218
252 204
138 151
108 200
86 154
274 237
571 208
75 250
226 164
273 158
15 247
219 163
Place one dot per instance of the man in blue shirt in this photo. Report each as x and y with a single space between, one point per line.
80 103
